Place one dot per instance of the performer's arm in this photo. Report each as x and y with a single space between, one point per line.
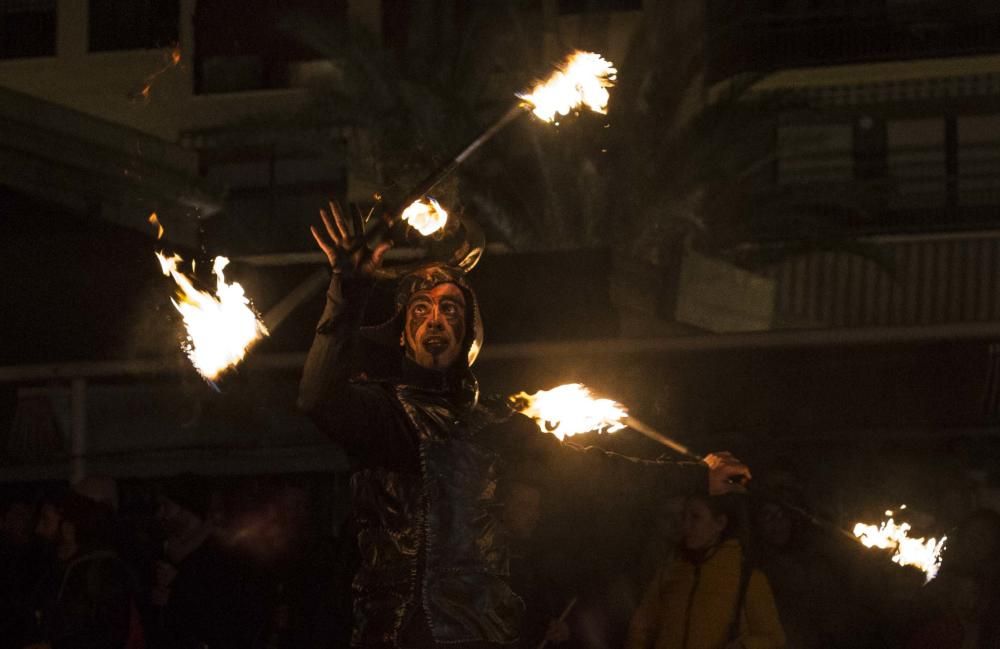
595 468
360 417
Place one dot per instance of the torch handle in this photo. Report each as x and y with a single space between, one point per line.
755 491
562 618
390 217
657 436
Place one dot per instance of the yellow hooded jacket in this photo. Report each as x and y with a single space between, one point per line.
691 606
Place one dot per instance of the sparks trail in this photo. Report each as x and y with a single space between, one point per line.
172 60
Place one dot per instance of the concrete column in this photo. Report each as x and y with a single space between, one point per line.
72 30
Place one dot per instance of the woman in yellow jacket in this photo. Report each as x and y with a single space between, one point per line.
693 602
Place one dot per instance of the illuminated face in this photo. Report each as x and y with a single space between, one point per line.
435 326
700 527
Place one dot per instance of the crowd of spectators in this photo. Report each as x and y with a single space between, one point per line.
266 563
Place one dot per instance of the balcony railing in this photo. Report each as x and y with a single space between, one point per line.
757 36
918 280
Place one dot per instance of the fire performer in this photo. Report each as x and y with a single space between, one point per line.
434 562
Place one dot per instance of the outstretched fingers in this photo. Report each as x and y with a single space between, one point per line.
379 253
341 224
321 242
331 228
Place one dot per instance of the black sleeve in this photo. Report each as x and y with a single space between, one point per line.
361 417
592 470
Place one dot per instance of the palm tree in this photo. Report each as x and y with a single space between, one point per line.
667 167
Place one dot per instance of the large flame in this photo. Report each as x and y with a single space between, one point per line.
570 409
425 216
221 327
924 554
582 79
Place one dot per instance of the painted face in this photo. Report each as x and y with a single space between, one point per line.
701 528
435 326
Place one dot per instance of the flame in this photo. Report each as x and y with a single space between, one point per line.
427 217
569 410
582 79
924 554
153 220
221 327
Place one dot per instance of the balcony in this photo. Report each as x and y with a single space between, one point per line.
764 36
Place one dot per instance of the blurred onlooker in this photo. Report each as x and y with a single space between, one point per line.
960 608
811 600
17 564
708 598
86 600
205 596
302 570
522 508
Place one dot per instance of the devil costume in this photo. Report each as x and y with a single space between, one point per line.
434 560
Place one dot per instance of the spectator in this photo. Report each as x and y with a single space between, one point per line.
522 507
708 598
960 608
86 599
17 564
206 595
809 596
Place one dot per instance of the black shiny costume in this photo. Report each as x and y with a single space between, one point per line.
434 560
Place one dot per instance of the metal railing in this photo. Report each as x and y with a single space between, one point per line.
918 280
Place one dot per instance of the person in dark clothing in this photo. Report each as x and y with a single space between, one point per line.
961 606
543 600
86 599
434 561
207 595
18 564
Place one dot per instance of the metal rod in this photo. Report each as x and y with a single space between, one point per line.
445 170
562 618
390 217
657 436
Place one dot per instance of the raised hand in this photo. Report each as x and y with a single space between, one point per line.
726 474
341 245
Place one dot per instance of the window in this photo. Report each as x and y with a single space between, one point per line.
243 45
917 163
133 24
27 28
815 153
979 160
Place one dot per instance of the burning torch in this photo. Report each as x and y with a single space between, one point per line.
571 409
582 80
220 326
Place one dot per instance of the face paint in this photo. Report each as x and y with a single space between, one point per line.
435 326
